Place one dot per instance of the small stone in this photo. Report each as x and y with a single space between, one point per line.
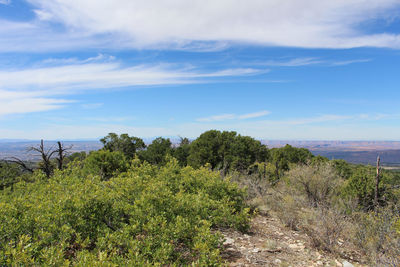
228 241
347 264
338 264
277 261
319 263
246 236
230 249
256 250
296 247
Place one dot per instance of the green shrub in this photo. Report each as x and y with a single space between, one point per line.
146 216
105 163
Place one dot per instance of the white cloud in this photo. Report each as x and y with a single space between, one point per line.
348 62
28 105
105 75
254 115
307 61
225 117
182 23
5 2
34 89
295 62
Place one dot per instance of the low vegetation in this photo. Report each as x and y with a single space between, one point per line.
164 204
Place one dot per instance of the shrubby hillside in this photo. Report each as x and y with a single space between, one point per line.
143 216
132 204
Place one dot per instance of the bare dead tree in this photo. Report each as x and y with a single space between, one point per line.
62 152
377 181
46 164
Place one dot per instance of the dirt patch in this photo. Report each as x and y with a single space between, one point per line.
269 243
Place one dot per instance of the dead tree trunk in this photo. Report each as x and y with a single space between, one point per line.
46 164
62 153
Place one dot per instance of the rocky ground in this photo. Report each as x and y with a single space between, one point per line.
269 243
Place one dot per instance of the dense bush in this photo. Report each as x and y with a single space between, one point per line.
226 151
145 216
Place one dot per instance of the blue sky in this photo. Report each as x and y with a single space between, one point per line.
272 69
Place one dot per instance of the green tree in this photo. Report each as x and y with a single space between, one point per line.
361 186
182 152
343 168
124 143
226 151
284 156
205 149
156 151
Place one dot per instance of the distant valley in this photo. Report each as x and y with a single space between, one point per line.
358 152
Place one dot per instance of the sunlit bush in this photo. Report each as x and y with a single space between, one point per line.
144 216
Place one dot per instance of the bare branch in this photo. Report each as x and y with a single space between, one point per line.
20 163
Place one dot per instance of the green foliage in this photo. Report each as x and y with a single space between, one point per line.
361 186
124 143
287 155
9 173
77 156
105 163
318 160
146 216
343 168
156 152
226 151
181 153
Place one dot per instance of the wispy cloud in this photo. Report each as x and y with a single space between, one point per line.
348 62
254 115
38 88
28 105
201 25
85 76
92 105
5 2
307 61
295 62
225 117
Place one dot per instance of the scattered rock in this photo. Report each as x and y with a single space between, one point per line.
338 264
228 241
347 264
272 239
